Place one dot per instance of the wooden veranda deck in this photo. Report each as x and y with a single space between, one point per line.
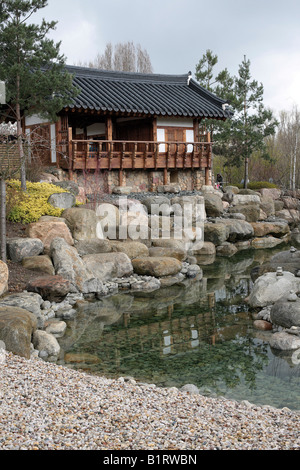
128 155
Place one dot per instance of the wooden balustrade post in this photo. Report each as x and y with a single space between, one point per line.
110 150
146 155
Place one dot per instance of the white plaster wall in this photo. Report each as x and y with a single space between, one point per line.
169 122
35 119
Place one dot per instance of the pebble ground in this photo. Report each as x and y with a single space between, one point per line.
45 406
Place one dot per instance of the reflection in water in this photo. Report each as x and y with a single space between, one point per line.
200 333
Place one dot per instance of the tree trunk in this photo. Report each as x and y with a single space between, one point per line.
246 172
20 138
294 164
3 219
21 148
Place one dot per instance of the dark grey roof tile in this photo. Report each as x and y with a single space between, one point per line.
152 94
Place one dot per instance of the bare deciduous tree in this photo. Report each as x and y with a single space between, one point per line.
123 57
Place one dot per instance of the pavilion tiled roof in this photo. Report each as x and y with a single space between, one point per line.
146 94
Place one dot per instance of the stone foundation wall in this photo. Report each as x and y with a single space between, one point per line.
139 180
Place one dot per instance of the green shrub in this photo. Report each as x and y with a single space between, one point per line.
257 185
29 206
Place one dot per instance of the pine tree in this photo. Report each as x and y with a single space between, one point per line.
237 138
204 69
32 66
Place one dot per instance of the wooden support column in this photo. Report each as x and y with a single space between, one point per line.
154 130
109 128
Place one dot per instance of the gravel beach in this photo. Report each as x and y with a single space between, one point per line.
44 406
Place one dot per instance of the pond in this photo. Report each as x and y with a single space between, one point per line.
199 333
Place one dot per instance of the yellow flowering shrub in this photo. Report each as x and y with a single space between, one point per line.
29 206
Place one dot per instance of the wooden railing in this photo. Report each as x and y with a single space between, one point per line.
129 155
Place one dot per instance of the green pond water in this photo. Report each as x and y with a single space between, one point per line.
200 333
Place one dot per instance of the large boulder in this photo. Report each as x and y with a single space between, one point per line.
190 208
287 260
265 242
270 287
132 249
262 229
270 193
292 216
52 288
284 341
107 266
178 253
81 222
213 204
4 275
17 327
29 301
207 249
267 205
62 200
47 231
157 266
108 221
42 264
250 211
157 205
286 313
70 266
94 245
69 186
216 233
290 203
238 229
245 199
19 248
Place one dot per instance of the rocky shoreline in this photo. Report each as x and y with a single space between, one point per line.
76 267
82 256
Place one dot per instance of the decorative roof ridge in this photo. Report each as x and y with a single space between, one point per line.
130 76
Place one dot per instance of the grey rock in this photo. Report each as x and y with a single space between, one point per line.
284 341
28 301
46 344
286 313
81 222
69 186
157 205
269 288
216 233
238 229
62 200
69 265
213 204
106 266
88 247
17 326
190 388
19 248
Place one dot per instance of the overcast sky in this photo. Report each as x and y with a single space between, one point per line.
176 34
